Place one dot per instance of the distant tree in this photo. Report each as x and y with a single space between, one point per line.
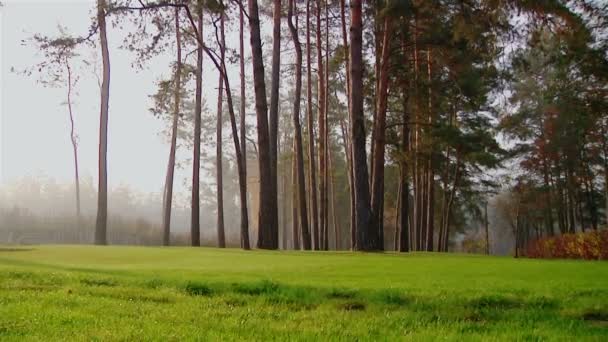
57 68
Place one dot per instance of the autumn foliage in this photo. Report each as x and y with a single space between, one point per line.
591 245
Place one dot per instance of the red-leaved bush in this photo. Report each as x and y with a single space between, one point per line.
592 245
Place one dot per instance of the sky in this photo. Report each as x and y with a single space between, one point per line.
34 122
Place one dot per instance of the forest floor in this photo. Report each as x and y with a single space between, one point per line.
146 293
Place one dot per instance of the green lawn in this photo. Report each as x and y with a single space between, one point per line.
139 293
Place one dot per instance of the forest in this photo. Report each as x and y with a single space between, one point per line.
370 126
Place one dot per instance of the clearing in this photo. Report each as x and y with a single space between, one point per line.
149 293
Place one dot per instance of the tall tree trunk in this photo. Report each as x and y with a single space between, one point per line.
347 150
102 189
273 117
195 225
417 176
322 130
168 198
430 211
327 142
244 227
221 235
380 136
311 137
402 242
74 140
367 234
267 219
299 149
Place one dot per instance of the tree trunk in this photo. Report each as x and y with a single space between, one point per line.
380 136
267 219
487 228
295 233
327 142
337 230
430 209
168 198
221 235
273 116
367 234
243 187
74 140
195 235
345 133
102 190
299 149
403 242
311 137
322 130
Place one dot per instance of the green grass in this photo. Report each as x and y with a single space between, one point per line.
138 293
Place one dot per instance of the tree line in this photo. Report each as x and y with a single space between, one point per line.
399 114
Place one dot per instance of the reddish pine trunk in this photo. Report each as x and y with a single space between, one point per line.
380 127
267 219
367 234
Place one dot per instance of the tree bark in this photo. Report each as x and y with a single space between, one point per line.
295 232
346 134
367 234
273 116
311 137
337 236
380 136
299 150
195 235
267 218
221 235
322 130
243 187
430 190
102 189
486 223
168 198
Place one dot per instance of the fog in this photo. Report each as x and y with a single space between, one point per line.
37 193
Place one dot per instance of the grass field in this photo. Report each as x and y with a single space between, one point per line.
138 293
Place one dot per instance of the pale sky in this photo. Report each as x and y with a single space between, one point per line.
34 125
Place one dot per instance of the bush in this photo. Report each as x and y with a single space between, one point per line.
591 245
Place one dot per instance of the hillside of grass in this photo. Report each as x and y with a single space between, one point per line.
144 293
